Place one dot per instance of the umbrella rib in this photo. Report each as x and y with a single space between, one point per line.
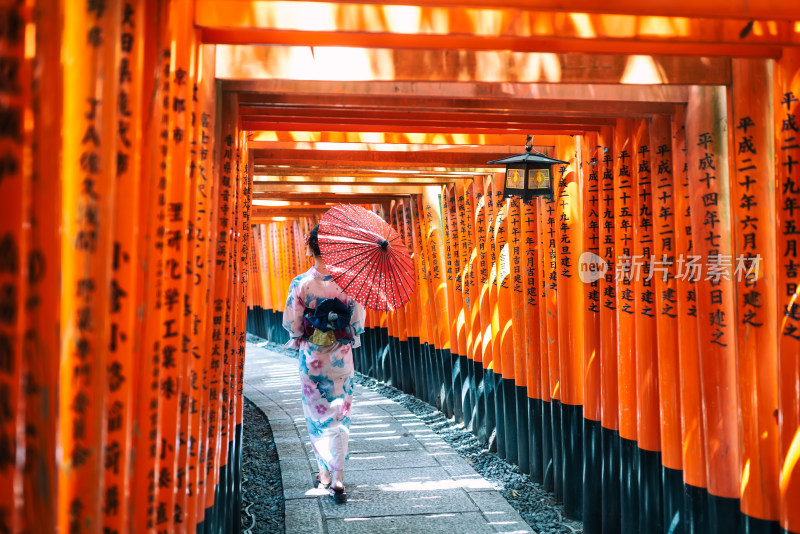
372 286
362 259
365 261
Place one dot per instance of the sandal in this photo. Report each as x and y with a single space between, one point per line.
337 494
320 483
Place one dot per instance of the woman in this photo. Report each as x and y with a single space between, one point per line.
326 362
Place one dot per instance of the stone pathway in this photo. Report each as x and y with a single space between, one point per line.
401 477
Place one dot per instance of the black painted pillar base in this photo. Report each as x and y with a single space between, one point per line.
725 514
548 466
465 392
695 504
650 492
457 381
510 419
448 402
629 485
393 377
523 432
488 410
499 415
672 482
611 475
558 449
592 477
572 432
535 431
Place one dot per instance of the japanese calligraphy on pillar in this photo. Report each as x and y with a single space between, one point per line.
88 182
120 368
14 185
607 249
718 264
591 221
788 219
624 204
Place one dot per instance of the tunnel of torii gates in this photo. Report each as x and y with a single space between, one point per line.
162 161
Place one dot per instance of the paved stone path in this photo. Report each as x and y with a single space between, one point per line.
401 477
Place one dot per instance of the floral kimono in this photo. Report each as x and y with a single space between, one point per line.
326 373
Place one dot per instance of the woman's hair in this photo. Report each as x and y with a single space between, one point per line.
313 242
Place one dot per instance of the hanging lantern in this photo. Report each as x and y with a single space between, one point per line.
528 175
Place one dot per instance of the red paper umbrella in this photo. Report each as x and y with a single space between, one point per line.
366 257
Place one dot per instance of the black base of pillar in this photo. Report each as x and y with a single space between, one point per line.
611 513
523 433
650 492
548 465
572 432
592 477
557 437
535 431
510 419
629 486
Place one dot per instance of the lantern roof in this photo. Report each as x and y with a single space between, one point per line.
528 157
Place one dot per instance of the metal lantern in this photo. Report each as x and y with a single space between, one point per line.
528 175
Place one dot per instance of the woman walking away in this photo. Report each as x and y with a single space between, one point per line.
324 325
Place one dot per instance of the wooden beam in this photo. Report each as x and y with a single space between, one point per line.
263 92
420 91
245 62
300 196
551 44
374 172
366 158
355 189
711 9
336 114
438 128
387 139
384 180
542 143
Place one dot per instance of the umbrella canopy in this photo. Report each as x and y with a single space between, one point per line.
366 257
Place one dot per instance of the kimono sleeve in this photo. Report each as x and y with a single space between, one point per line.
357 316
293 314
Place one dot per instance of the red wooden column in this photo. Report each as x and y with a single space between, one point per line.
609 390
88 173
787 111
648 429
531 336
625 208
569 224
469 251
707 154
44 273
590 256
692 430
518 258
553 480
15 247
123 353
666 306
755 269
203 278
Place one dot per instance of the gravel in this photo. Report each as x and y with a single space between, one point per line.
536 506
262 487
